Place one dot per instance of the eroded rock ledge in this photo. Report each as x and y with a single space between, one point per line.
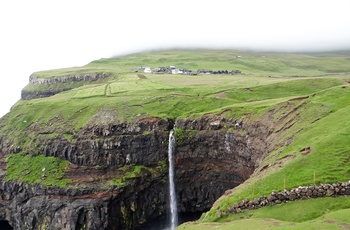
70 78
50 91
37 207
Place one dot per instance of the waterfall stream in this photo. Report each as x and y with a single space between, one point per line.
172 194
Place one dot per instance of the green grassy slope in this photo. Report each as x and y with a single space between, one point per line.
324 127
321 213
261 64
269 82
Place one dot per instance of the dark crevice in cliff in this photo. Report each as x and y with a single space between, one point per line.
81 222
171 123
4 225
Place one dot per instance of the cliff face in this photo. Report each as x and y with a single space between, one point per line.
36 207
34 80
213 154
70 78
141 143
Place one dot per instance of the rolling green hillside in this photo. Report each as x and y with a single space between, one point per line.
306 95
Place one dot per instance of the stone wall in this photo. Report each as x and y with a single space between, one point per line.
300 193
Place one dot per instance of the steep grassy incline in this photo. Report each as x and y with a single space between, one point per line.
321 124
322 213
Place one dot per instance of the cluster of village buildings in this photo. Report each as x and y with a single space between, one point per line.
185 71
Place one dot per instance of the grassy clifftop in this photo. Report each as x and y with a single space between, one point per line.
182 95
308 89
260 64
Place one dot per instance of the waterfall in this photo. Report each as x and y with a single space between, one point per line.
172 194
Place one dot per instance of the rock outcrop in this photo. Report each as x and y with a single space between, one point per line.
49 91
37 207
70 78
213 155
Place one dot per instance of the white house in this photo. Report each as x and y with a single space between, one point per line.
147 70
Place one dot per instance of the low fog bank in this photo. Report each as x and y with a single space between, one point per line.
342 50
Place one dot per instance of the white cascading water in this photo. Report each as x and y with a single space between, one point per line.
172 194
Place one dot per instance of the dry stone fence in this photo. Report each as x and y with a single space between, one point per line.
300 193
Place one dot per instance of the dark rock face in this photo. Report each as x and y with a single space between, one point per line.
213 154
70 78
137 204
212 159
37 207
28 95
140 143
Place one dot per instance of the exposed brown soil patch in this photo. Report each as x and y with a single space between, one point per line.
104 117
272 221
286 157
290 118
221 95
265 167
150 119
305 150
219 115
278 163
180 95
345 226
282 161
2 164
299 98
141 76
330 221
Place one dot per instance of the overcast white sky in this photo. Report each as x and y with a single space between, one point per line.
40 34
